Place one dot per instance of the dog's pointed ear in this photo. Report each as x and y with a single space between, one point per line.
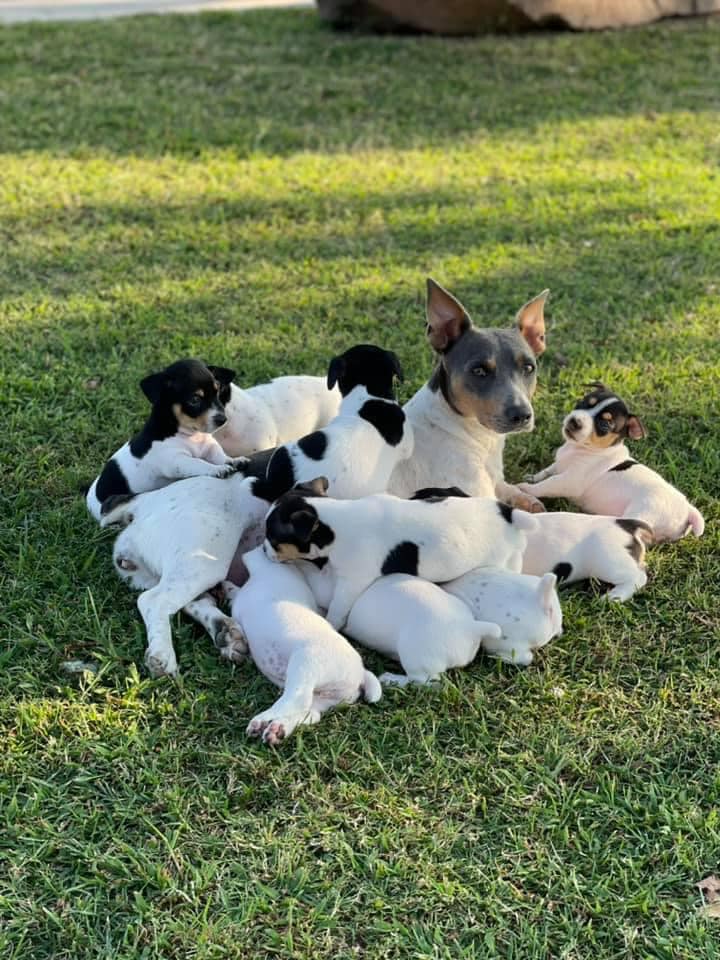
635 428
222 374
395 361
335 371
154 385
447 318
530 321
304 522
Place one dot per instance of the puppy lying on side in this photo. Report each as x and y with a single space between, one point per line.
594 470
420 625
268 414
361 447
375 536
526 609
176 440
176 544
295 648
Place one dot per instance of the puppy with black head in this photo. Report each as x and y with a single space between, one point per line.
594 469
176 440
374 536
359 449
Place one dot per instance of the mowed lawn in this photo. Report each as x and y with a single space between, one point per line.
259 192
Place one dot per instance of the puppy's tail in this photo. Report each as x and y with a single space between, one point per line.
117 510
696 522
524 520
370 689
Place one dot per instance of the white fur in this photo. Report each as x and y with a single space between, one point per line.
527 610
183 455
584 474
295 648
420 625
178 543
357 460
269 414
453 536
596 548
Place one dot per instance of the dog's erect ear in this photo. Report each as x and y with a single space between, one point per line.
394 360
222 374
447 318
154 385
304 522
335 371
530 321
635 428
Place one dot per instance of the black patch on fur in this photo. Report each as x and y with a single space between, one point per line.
319 562
403 558
387 418
111 482
437 494
636 547
625 465
116 500
505 511
562 571
258 463
368 366
280 476
281 528
314 445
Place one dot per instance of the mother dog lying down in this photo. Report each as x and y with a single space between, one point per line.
436 539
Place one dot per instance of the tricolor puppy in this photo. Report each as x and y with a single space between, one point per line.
575 546
526 609
295 648
176 440
420 625
437 539
178 543
268 414
594 470
360 448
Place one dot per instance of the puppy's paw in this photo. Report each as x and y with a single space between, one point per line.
161 664
526 501
274 733
230 640
257 725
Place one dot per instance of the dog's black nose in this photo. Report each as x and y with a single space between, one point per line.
219 419
573 424
519 416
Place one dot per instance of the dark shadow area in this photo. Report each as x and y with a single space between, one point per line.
280 82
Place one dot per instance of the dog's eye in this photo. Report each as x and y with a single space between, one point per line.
195 400
529 368
481 371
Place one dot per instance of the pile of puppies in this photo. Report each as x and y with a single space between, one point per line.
322 505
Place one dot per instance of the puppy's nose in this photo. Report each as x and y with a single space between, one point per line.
519 416
573 424
219 419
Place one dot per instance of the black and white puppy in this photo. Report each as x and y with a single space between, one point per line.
176 440
437 539
360 448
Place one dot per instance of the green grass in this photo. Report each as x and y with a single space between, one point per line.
259 192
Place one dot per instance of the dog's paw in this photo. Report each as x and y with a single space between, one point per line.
257 725
161 664
231 641
274 733
526 501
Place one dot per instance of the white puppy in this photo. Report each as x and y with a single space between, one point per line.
593 469
295 648
268 414
360 448
437 539
420 625
575 546
527 610
178 543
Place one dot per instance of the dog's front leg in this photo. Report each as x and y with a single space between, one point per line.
345 594
294 707
558 485
543 474
517 497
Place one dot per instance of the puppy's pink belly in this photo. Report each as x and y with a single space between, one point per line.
604 502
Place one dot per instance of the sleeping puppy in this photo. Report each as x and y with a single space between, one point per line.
295 648
361 447
176 440
437 539
268 414
594 470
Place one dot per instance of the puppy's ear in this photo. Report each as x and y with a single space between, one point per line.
545 590
530 321
154 385
222 374
304 522
335 371
447 318
635 428
394 360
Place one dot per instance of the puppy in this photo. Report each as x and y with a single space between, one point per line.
359 449
593 469
295 648
269 414
176 440
526 609
375 536
575 546
176 544
420 625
